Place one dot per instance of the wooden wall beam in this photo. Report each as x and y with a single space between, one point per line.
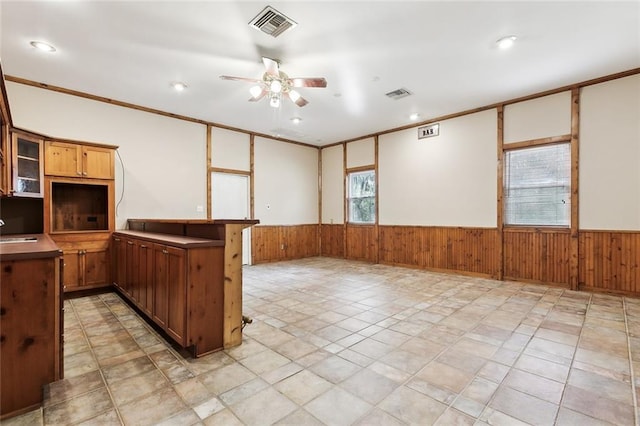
574 257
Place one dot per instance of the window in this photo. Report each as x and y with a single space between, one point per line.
537 186
362 197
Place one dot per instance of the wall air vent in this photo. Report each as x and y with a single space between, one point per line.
271 22
398 94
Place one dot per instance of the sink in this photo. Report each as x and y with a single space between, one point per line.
18 240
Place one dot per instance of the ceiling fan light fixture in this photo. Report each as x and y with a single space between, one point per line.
506 42
296 120
41 45
274 100
414 116
276 86
255 91
178 86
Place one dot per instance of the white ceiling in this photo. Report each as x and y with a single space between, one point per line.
443 52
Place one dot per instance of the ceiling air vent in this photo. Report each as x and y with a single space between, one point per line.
271 22
398 94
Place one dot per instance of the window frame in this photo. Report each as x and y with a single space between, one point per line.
505 180
360 171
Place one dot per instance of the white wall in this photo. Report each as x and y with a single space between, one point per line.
333 185
447 180
230 149
164 158
361 153
286 183
610 155
538 118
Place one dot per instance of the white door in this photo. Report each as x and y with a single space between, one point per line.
230 200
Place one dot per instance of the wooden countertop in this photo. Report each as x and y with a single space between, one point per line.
173 240
200 221
42 247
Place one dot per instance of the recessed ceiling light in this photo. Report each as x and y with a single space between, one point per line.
414 116
178 86
506 42
296 120
41 45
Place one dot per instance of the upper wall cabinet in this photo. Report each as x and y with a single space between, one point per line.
26 166
77 160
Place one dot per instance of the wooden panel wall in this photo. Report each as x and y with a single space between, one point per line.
537 255
284 242
609 261
466 250
361 243
332 240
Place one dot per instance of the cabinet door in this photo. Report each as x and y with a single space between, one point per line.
130 268
145 276
98 162
160 284
27 166
96 267
177 289
71 275
63 159
118 245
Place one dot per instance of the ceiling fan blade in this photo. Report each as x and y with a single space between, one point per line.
308 82
260 96
300 101
228 77
271 66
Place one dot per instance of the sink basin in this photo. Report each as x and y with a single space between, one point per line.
18 240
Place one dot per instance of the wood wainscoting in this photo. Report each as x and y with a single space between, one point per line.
463 250
272 243
537 255
361 243
332 240
609 261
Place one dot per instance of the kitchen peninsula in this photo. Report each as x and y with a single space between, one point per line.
31 327
185 276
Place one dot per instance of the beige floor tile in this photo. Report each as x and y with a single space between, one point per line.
225 378
263 408
153 408
264 362
337 407
335 369
222 418
78 409
369 386
594 404
412 407
524 407
445 376
136 387
540 387
63 390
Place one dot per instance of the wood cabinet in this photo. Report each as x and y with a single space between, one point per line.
27 176
86 260
78 160
79 209
177 282
32 323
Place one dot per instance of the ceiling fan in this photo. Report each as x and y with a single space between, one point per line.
275 84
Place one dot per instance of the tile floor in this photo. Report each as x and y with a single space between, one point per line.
337 342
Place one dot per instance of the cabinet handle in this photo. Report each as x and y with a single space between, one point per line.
79 173
117 239
165 251
130 243
143 246
84 173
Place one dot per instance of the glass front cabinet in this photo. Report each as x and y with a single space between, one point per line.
27 166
